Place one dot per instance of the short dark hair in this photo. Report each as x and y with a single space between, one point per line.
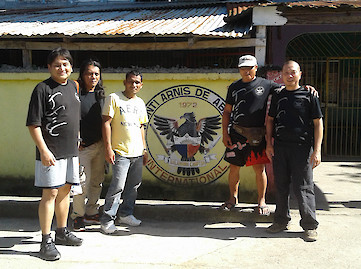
59 52
134 73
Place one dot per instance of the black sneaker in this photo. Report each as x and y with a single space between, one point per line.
92 219
67 239
78 224
48 250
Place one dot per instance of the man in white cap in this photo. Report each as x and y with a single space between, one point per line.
243 125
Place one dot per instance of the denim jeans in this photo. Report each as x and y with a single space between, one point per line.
127 177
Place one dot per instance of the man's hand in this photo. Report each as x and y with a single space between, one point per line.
227 140
81 146
145 158
47 158
270 152
315 158
110 156
311 89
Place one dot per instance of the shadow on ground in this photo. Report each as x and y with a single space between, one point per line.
6 243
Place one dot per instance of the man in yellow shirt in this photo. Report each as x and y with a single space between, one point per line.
124 117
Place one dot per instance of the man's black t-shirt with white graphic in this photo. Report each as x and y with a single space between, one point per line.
56 109
249 101
293 113
91 118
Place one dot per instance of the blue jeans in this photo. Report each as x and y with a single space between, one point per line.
127 177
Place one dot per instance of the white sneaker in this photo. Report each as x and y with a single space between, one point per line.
310 235
129 220
109 228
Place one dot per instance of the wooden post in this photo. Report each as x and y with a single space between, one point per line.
27 58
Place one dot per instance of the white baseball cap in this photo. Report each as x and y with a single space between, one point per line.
247 60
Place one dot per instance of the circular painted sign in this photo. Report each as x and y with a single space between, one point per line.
184 135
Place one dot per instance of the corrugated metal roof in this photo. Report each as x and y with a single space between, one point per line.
329 3
205 21
240 7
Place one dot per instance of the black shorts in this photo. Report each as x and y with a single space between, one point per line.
242 153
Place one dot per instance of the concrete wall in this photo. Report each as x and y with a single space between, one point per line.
167 95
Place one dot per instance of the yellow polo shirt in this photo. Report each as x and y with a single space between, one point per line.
127 117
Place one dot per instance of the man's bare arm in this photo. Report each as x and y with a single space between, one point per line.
46 156
315 159
145 153
226 117
107 134
269 135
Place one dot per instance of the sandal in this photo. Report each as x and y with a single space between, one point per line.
227 206
263 210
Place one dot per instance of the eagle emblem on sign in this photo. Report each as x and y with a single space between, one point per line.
187 139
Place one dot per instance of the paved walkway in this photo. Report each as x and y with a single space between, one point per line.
196 235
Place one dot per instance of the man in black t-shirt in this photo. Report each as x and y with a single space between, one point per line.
243 127
53 122
295 122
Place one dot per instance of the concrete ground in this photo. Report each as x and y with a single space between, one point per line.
196 235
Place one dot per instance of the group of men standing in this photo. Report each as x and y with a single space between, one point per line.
58 109
295 123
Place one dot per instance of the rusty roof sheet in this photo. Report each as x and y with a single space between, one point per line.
321 3
204 21
240 7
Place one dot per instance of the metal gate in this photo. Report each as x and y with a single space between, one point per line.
338 80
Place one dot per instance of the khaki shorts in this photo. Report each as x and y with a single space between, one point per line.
65 171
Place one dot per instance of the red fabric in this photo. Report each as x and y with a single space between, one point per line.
259 159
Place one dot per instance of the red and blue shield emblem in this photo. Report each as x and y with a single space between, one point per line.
187 146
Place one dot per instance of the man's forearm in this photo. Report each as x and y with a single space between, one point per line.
106 130
225 122
143 136
46 156
269 130
37 136
318 134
